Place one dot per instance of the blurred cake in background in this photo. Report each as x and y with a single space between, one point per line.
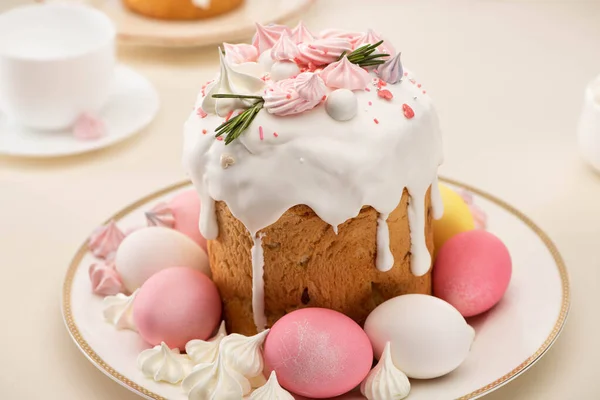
182 9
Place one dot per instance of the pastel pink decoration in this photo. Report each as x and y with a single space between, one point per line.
301 34
345 75
371 38
266 36
479 216
105 241
318 353
323 51
472 272
105 279
240 53
391 71
161 215
351 36
175 306
88 127
284 48
310 87
283 99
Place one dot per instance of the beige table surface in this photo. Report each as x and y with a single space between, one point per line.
507 77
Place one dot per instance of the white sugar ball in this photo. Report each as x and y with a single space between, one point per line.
283 70
266 60
341 105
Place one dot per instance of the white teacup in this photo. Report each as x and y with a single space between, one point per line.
56 62
589 125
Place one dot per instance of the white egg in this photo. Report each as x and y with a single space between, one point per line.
429 338
150 250
283 70
266 60
341 105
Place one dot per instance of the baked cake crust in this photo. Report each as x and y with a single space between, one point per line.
307 265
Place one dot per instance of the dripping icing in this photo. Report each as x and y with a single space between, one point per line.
420 258
385 258
258 283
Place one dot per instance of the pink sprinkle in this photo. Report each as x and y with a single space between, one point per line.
289 96
406 74
271 89
220 138
419 85
424 91
412 81
260 133
370 103
275 134
324 98
310 46
376 120
201 112
381 83
367 89
385 94
204 131
228 116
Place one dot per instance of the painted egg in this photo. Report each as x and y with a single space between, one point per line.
175 306
150 250
186 211
457 217
472 272
429 338
318 353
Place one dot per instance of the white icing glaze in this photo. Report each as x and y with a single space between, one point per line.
215 381
118 310
385 381
206 351
385 258
271 391
333 167
258 283
244 353
163 364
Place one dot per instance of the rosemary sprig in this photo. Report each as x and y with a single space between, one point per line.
364 57
233 128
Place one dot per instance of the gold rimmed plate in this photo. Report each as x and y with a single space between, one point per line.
509 339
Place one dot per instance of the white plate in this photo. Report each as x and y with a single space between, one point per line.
229 27
510 338
132 105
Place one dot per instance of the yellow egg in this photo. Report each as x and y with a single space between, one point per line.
457 218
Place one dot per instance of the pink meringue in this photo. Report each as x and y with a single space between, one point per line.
88 127
240 53
285 100
161 215
105 241
266 36
345 75
391 71
323 51
301 34
340 33
371 38
284 48
479 216
105 279
310 87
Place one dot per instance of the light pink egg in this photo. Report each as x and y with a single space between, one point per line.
318 353
186 211
175 306
472 272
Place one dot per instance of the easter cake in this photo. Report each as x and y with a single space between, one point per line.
181 9
305 249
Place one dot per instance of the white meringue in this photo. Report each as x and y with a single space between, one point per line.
118 310
206 351
215 381
243 353
341 104
284 48
230 81
385 381
391 71
163 364
271 391
284 70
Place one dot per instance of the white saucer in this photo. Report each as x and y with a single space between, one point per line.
235 25
132 105
509 339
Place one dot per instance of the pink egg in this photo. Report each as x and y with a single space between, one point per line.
175 306
186 211
318 353
472 272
